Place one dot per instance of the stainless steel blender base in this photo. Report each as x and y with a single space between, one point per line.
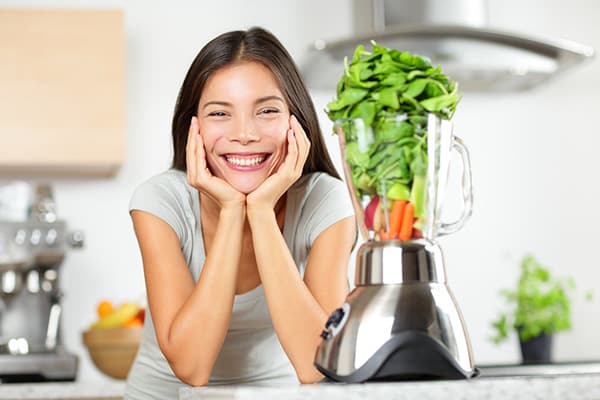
401 321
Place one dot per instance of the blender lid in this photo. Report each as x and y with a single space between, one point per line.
454 35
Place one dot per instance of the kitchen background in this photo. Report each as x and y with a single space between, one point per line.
534 159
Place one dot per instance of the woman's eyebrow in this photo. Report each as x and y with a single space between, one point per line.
218 103
267 98
257 101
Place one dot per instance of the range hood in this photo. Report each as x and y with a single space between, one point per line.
453 34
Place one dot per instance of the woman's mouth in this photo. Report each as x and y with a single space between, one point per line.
246 162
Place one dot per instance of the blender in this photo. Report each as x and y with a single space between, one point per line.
401 322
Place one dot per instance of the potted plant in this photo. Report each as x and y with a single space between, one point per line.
539 307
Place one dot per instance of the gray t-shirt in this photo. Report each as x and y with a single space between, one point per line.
251 352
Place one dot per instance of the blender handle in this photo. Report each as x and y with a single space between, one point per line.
467 190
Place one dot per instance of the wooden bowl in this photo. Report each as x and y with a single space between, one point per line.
113 350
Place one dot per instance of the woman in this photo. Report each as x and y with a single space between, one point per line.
245 241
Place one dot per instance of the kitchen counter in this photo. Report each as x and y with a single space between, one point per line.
564 382
562 387
101 390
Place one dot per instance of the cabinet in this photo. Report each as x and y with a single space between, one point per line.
62 92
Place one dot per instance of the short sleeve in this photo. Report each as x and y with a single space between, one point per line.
328 203
162 197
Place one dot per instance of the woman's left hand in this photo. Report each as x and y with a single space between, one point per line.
270 191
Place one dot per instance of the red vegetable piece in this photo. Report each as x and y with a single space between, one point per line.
370 211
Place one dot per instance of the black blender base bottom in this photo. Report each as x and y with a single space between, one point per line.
413 365
410 356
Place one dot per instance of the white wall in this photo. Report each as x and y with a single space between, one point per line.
532 156
535 166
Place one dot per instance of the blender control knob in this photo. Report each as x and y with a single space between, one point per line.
51 236
335 318
20 237
36 235
76 239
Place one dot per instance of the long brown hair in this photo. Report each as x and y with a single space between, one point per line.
255 44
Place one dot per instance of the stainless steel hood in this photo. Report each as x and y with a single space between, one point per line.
452 34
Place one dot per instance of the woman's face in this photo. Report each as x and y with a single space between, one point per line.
243 119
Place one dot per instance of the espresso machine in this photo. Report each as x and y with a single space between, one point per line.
401 322
31 253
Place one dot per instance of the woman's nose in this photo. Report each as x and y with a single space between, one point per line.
244 132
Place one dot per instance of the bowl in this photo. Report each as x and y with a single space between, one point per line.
113 349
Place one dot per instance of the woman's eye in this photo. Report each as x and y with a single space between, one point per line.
216 114
269 111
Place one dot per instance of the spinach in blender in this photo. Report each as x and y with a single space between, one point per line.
391 92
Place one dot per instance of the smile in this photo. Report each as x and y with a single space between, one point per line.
252 161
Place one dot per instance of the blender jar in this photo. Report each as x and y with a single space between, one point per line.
396 170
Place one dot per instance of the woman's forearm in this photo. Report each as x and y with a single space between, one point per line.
198 330
297 316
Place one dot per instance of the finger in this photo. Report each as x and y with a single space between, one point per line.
293 152
303 143
292 145
289 160
202 171
299 130
190 153
301 137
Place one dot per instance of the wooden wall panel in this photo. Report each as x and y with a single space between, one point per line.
62 92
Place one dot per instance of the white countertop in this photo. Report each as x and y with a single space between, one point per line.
564 387
580 387
101 390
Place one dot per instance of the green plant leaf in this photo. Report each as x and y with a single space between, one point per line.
539 304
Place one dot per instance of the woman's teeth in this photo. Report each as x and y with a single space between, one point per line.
245 162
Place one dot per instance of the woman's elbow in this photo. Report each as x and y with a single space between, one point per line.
191 376
188 371
194 380
310 376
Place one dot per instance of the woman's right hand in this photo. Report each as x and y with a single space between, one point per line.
200 177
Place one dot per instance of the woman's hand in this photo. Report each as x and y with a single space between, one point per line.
200 177
268 193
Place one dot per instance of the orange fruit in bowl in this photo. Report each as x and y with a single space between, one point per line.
134 322
104 308
141 314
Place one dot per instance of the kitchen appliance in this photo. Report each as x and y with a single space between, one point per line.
31 252
402 321
454 34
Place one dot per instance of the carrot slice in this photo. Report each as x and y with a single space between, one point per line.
383 235
396 217
407 222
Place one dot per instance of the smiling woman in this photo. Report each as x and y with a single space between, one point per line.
244 132
245 241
